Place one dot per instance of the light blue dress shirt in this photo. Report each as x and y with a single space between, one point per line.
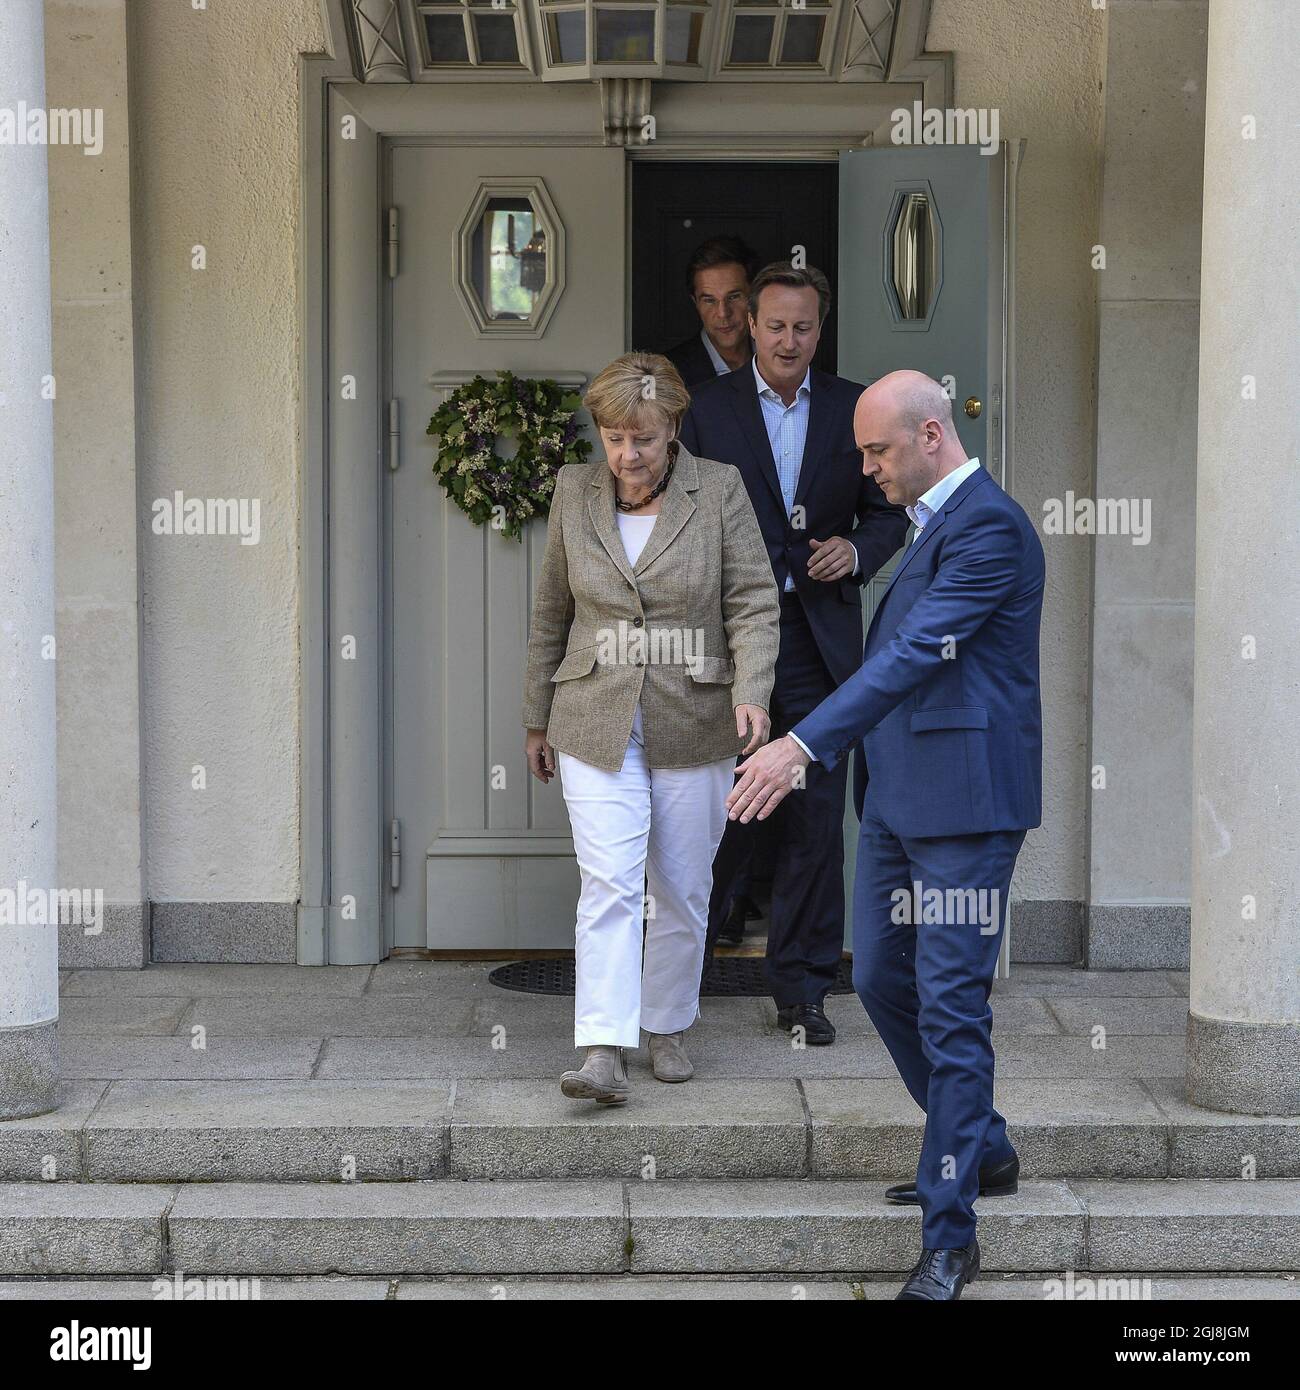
787 433
933 498
925 506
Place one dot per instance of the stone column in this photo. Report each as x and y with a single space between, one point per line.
29 975
1243 1042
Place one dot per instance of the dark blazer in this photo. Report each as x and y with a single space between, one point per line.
725 421
692 360
946 701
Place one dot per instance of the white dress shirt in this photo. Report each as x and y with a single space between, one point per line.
719 366
925 507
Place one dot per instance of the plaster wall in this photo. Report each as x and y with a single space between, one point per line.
214 114
101 841
1143 600
214 163
1041 64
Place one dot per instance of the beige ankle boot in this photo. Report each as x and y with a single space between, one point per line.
602 1077
668 1056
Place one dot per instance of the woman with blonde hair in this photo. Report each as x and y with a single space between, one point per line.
651 657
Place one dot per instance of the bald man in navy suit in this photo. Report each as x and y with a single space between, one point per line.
946 706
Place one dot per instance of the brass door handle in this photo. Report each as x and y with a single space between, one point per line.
973 407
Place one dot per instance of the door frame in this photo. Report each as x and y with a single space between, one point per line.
342 831
828 161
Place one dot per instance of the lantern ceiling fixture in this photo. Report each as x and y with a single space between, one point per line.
591 40
624 38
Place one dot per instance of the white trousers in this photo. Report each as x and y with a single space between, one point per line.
639 831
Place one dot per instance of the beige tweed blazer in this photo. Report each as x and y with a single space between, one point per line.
691 631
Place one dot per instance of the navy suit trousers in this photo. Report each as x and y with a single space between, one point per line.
928 919
805 841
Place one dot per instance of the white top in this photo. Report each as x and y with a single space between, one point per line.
634 531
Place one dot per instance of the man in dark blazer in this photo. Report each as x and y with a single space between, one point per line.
827 528
946 705
717 280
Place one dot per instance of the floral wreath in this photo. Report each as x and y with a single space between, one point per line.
541 414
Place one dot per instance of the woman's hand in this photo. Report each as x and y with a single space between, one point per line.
541 756
753 720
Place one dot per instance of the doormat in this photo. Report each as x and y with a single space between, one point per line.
736 976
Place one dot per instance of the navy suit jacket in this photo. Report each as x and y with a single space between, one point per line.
946 702
725 421
693 363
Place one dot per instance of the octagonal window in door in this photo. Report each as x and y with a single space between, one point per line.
913 257
510 258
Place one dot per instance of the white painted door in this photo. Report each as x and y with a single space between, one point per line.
486 861
921 269
924 257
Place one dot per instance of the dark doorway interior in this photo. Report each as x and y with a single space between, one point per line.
676 206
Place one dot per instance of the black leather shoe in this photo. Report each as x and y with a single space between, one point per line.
1000 1180
939 1276
818 1030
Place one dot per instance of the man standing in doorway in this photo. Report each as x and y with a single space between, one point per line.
828 528
717 280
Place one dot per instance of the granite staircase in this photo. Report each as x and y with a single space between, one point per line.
405 1120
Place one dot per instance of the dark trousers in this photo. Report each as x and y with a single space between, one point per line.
805 937
924 978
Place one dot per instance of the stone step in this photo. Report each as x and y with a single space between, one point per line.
633 1288
334 1131
719 1056
592 1227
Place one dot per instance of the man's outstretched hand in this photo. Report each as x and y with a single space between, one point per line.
766 779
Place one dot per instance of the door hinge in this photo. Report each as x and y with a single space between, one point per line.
394 436
392 243
395 854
